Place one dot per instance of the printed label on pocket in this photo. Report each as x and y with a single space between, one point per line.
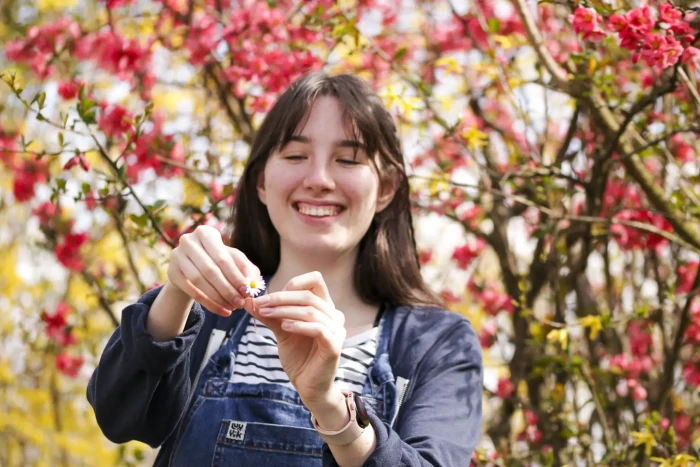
236 430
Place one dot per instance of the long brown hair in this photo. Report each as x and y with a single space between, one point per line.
387 268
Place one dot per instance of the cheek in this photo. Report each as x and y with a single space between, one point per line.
363 192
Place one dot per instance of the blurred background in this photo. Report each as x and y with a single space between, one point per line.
552 151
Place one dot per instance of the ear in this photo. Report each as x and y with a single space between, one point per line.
260 186
387 190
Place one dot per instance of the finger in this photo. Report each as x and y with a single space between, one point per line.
300 313
217 251
200 297
312 281
294 298
245 266
254 311
210 272
194 276
315 330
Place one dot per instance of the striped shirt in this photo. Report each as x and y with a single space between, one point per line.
257 359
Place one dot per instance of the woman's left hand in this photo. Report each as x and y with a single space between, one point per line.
310 334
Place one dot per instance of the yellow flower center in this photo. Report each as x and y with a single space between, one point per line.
253 284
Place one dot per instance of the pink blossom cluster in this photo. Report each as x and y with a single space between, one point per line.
124 58
465 254
490 298
151 149
58 330
43 43
660 40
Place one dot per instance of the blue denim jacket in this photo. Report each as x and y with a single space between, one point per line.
428 412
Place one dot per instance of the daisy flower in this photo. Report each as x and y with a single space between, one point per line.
254 285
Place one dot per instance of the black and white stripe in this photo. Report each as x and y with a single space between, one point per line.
257 359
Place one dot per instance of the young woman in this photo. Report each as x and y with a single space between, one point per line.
355 363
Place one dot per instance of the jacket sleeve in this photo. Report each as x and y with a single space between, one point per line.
140 387
439 424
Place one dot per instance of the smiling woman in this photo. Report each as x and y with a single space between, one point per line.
355 362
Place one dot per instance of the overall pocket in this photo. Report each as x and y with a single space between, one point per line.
242 443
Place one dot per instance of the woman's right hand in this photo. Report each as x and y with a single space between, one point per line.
209 272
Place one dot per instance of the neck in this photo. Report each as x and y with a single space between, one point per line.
338 274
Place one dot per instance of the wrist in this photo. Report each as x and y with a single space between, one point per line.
331 413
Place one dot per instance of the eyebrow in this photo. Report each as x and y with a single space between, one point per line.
343 143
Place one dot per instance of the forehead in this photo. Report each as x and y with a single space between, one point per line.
327 119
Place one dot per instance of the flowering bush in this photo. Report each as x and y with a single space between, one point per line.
554 168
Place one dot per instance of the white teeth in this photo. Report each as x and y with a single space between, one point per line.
318 211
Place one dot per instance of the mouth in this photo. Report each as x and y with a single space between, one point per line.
312 210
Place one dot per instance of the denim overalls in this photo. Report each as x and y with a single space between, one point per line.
264 424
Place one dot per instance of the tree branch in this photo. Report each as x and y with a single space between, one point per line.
559 75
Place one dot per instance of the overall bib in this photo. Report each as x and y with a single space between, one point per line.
264 425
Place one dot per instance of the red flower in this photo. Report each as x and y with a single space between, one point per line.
46 212
68 89
630 238
113 121
487 334
68 252
75 160
505 388
69 365
464 255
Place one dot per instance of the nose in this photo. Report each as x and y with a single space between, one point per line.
319 177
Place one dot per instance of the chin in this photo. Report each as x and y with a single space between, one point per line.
319 246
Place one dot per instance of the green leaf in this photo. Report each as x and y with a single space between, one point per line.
86 188
158 204
42 98
122 171
400 53
494 25
141 220
41 118
61 184
60 139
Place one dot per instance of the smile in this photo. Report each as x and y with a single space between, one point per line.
328 210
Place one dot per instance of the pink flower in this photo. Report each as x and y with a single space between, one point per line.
639 393
465 254
487 334
46 212
112 4
668 14
75 160
68 89
587 21
505 388
69 365
68 252
113 120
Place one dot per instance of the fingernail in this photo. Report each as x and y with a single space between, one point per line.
266 311
243 290
262 301
239 303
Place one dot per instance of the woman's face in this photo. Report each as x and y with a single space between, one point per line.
321 190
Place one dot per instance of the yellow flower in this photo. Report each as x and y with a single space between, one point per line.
441 184
684 460
475 138
662 462
646 438
559 335
450 63
592 322
394 97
